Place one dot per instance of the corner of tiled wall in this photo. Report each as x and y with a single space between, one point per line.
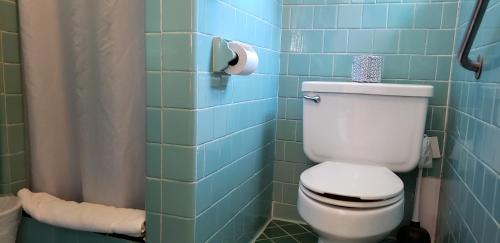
469 208
210 138
12 142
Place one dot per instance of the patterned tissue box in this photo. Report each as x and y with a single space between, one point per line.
367 69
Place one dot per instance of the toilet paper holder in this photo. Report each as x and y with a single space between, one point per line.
222 55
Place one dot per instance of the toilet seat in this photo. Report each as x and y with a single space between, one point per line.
345 202
352 185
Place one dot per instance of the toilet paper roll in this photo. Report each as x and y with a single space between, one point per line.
248 60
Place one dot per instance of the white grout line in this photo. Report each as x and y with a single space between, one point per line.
448 96
242 208
261 231
363 3
161 122
466 186
286 233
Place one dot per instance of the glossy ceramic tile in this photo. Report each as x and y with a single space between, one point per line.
278 231
470 193
283 231
12 156
210 137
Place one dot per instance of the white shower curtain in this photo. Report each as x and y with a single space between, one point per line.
84 74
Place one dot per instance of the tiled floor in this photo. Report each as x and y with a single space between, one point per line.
285 232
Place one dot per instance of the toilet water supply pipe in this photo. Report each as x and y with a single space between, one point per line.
416 208
425 162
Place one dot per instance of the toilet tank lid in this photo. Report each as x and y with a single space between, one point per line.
412 90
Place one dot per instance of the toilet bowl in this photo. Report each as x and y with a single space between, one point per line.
359 134
364 216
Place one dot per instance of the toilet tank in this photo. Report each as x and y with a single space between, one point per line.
365 123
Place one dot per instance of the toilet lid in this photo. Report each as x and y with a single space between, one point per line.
365 182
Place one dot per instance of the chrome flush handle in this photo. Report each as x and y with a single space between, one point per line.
316 99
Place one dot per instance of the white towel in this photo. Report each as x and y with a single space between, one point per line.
82 216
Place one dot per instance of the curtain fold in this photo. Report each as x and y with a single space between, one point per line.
83 63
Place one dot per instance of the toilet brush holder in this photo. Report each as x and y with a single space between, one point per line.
413 233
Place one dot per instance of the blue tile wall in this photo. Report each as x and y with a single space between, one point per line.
319 38
210 138
170 100
12 148
235 185
470 194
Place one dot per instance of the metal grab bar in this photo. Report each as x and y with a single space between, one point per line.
470 35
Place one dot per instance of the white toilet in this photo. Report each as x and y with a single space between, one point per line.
359 133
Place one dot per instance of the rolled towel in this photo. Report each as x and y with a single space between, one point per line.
82 216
